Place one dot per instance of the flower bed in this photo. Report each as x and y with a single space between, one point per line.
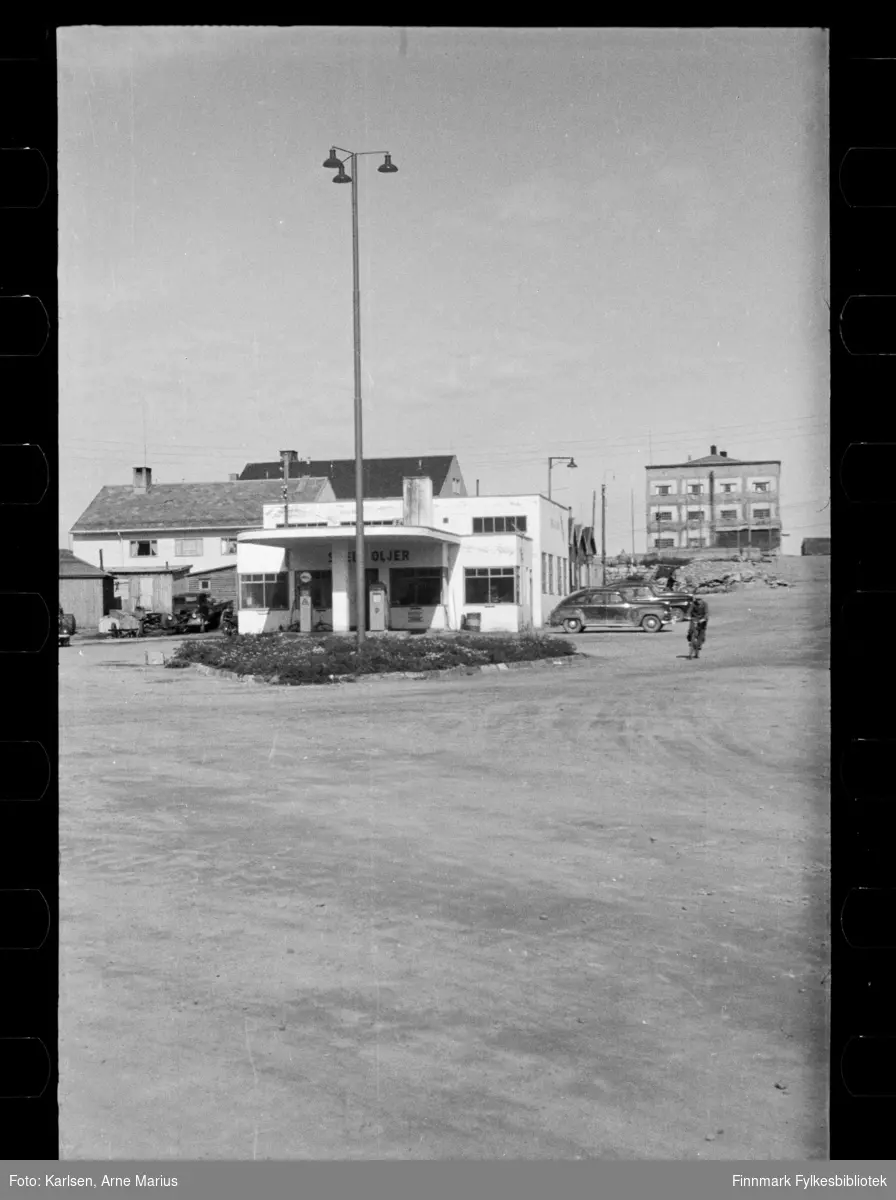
300 660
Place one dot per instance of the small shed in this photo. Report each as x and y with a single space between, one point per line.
85 591
218 583
151 589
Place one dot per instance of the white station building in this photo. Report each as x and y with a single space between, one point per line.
431 562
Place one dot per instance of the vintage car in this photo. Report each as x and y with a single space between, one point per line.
607 608
197 611
647 589
66 628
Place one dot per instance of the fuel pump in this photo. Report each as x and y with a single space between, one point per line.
306 613
378 607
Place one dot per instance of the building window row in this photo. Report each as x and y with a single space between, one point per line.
499 524
183 547
701 489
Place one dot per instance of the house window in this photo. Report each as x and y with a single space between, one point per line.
321 587
550 574
695 514
663 489
728 488
762 514
228 545
499 524
455 486
695 489
187 547
144 549
410 587
264 591
490 585
728 514
760 487
663 543
205 585
664 516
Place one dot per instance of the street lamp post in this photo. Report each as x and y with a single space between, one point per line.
570 463
334 163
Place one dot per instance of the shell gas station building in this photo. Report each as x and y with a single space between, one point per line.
439 562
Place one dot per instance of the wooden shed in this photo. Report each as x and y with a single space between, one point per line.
85 591
218 583
151 589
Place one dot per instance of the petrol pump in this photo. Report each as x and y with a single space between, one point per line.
379 620
306 613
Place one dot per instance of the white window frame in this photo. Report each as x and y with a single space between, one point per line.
181 543
151 542
728 514
205 585
225 544
696 514
695 489
489 573
662 489
757 513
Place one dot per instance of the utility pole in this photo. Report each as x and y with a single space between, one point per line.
603 534
593 527
633 525
287 457
712 508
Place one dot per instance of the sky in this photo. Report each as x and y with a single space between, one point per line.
609 244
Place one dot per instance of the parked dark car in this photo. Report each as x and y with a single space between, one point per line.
197 611
646 589
66 628
607 608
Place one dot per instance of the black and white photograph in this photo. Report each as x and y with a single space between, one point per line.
444 593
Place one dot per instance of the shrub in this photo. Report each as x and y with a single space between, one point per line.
298 660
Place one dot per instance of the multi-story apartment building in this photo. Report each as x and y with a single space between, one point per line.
714 501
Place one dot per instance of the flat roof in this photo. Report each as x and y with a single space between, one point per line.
291 535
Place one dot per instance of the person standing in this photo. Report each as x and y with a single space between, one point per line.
698 611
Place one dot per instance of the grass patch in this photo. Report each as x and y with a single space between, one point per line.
305 660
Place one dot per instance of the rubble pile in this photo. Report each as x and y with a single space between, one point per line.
708 575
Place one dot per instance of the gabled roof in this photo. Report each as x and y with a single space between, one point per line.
71 567
382 476
710 460
236 504
716 460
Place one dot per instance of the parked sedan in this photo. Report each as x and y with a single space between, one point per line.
648 589
607 608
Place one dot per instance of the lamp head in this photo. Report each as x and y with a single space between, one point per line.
333 163
341 176
388 167
572 464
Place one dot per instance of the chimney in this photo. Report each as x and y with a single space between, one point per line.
233 478
417 500
713 450
142 480
723 453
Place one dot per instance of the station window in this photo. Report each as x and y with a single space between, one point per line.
187 547
490 585
499 524
264 591
144 549
411 587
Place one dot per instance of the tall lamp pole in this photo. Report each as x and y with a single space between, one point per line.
570 463
335 163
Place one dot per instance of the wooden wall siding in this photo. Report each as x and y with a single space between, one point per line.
83 598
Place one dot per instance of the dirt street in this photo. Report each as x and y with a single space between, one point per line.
565 913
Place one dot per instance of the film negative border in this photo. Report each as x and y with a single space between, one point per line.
863 449
29 901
